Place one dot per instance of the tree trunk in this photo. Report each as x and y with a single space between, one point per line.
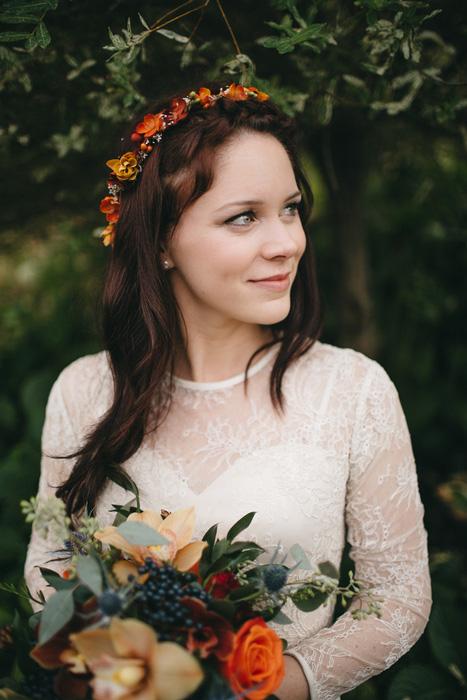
341 154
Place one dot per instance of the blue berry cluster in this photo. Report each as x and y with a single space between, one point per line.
38 685
159 599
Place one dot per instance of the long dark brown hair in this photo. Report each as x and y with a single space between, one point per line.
140 315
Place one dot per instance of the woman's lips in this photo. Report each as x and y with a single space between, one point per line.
275 283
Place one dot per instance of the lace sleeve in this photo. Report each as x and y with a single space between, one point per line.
388 544
58 438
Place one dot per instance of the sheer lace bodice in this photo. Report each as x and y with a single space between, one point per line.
339 456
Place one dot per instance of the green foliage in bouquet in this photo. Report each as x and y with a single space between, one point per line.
140 608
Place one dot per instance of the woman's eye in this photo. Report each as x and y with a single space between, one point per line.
244 219
292 208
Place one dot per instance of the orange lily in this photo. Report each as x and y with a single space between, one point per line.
128 663
177 528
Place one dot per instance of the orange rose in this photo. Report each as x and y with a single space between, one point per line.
256 661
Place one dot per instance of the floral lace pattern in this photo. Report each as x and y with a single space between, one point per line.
338 456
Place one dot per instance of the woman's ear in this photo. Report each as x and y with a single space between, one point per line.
167 263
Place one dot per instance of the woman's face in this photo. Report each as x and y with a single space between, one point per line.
236 249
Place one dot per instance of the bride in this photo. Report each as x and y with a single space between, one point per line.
214 390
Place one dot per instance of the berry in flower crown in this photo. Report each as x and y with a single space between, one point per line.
125 170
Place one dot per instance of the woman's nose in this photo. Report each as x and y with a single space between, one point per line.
281 240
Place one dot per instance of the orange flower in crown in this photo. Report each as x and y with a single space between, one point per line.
150 125
149 132
111 208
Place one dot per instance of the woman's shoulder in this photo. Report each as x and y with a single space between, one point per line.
345 366
85 384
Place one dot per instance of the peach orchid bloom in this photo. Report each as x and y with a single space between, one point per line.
128 663
177 528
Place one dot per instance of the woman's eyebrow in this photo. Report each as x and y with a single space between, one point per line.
253 202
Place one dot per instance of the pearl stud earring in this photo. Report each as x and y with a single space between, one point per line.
166 264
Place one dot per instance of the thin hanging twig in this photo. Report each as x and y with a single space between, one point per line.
237 47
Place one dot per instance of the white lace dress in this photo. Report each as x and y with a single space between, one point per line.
339 456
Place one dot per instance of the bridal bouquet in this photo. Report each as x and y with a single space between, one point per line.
141 612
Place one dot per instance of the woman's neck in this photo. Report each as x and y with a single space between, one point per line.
208 356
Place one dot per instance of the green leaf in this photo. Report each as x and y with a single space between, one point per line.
13 36
223 607
143 22
140 534
240 525
300 557
309 604
42 35
441 642
173 35
30 42
56 581
57 612
240 546
117 40
18 19
210 536
328 569
282 45
282 619
29 6
417 682
243 592
90 573
118 475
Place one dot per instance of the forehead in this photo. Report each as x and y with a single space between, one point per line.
252 162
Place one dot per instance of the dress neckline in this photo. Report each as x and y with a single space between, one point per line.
231 381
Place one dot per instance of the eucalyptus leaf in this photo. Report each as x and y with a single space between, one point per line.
282 619
240 525
140 534
309 604
57 612
90 573
300 557
328 569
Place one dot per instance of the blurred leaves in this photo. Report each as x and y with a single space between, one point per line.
383 82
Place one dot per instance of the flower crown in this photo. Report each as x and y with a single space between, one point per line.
126 169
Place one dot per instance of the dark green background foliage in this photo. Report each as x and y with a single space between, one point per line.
378 88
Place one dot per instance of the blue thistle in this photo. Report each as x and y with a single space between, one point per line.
275 577
109 603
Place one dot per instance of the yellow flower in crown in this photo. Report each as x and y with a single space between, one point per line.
108 235
126 167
